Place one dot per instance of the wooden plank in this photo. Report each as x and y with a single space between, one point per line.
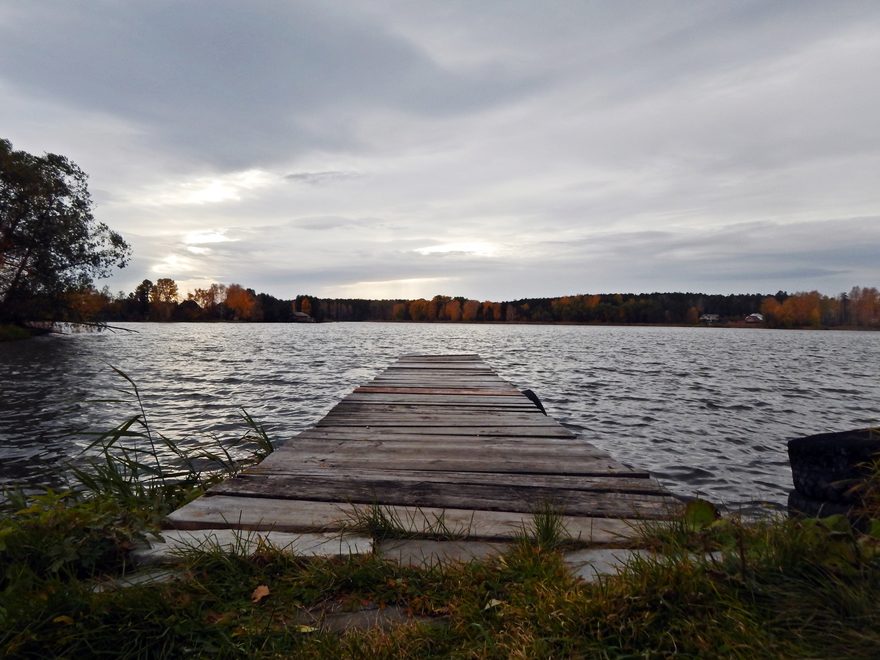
379 429
394 447
506 417
442 436
439 391
395 453
452 367
250 513
418 414
422 383
477 416
492 497
455 422
614 482
448 400
433 375
396 410
634 481
421 357
489 464
467 418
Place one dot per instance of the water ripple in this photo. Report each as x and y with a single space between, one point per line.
707 410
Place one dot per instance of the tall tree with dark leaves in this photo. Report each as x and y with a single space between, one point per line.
50 243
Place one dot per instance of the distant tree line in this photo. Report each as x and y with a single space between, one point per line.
52 249
161 301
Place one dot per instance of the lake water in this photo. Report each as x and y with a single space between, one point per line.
707 410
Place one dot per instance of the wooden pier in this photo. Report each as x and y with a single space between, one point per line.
434 440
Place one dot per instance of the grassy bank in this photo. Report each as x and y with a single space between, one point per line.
774 589
10 332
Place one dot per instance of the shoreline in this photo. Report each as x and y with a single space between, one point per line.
33 332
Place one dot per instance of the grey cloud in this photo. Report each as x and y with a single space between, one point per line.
320 178
232 83
326 224
606 146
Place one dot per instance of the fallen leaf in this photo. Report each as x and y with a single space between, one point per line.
493 603
66 620
259 593
306 629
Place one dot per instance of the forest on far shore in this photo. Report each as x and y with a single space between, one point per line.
52 249
161 301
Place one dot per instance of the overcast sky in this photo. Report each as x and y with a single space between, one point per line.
493 150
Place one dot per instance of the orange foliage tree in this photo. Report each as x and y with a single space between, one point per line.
470 310
164 291
453 310
241 302
418 310
864 303
799 310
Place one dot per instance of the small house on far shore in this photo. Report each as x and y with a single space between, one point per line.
302 317
755 318
710 318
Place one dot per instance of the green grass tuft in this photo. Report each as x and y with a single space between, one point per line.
388 522
547 528
10 332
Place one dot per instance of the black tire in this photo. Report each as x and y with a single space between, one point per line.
826 466
798 505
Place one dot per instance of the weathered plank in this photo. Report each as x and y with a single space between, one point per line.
445 357
491 497
473 447
439 391
374 430
486 464
419 414
434 426
466 365
255 513
633 482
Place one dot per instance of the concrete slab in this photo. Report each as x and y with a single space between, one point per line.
155 575
248 543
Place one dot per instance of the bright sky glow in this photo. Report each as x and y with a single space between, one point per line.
175 263
210 190
203 237
416 287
